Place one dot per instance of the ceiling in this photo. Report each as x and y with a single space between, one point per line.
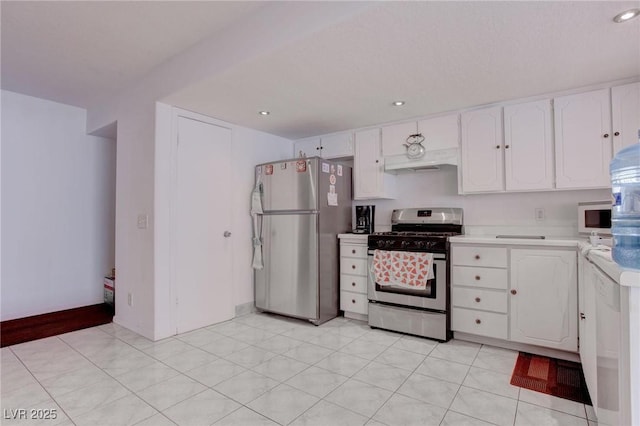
436 56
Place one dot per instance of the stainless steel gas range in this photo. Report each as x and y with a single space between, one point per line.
417 248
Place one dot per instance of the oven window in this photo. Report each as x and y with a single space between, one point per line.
597 218
429 291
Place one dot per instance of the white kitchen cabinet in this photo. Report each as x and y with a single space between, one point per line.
583 141
625 104
544 298
528 146
369 179
338 145
353 277
481 146
395 136
479 291
309 147
587 325
441 132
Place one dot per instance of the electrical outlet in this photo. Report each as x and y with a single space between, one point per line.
539 214
143 221
129 299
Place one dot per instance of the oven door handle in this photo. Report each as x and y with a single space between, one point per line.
436 256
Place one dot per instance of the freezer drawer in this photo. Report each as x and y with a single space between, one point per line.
288 283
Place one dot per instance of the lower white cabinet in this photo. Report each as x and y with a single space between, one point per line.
525 295
587 326
544 298
353 276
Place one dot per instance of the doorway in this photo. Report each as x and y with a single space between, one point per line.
202 243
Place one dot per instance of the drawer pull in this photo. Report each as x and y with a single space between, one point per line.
353 251
478 321
477 277
353 266
478 299
353 284
477 257
514 291
582 316
353 300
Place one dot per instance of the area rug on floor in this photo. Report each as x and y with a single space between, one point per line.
556 377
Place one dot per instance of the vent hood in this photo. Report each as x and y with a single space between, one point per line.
431 160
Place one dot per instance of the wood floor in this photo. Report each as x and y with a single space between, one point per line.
23 330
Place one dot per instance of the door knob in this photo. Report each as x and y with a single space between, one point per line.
227 234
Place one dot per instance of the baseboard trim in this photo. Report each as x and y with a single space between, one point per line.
245 309
22 330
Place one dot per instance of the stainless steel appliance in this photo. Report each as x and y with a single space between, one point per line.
365 218
421 312
306 202
594 216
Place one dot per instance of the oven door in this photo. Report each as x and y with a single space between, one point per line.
434 296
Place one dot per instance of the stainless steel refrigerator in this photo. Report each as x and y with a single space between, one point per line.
306 203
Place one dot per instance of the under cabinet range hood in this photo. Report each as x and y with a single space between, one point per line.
431 160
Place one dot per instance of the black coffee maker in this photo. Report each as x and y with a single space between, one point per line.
364 219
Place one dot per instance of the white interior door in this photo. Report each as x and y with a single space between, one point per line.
202 255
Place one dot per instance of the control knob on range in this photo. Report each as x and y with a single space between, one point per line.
388 244
404 244
419 244
380 243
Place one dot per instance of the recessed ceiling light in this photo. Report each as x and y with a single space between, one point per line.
626 15
264 112
398 103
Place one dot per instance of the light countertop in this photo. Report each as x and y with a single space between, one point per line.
491 239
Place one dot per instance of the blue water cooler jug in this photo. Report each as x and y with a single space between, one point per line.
625 212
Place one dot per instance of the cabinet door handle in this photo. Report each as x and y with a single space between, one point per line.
606 135
353 284
616 134
514 291
353 300
478 321
317 148
582 316
353 251
506 147
377 161
353 266
497 146
477 257
477 299
477 277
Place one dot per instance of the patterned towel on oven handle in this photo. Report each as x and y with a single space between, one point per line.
403 269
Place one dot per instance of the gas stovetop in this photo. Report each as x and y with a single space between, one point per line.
424 229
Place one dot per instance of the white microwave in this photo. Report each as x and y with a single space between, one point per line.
594 216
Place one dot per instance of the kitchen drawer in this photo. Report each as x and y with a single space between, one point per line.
353 266
353 250
472 276
354 283
354 302
479 256
480 323
475 298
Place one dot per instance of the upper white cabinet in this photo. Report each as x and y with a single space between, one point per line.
583 139
369 179
625 104
440 132
395 136
338 145
307 148
528 146
544 298
482 157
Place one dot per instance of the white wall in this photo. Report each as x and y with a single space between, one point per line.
249 147
58 202
487 213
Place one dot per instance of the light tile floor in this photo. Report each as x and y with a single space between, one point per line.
264 369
